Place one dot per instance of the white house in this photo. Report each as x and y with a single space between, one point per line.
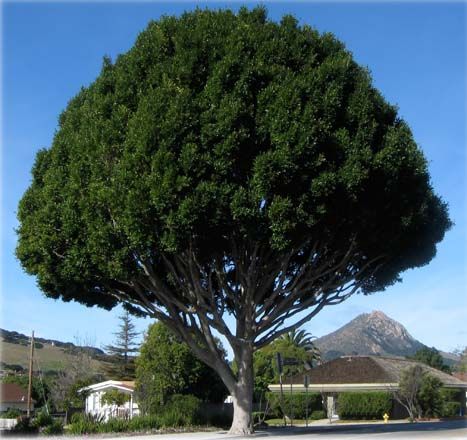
95 407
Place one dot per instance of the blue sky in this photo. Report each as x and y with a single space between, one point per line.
416 53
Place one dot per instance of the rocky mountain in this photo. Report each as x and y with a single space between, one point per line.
369 334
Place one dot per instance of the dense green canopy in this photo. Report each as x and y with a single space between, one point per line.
166 366
218 130
227 164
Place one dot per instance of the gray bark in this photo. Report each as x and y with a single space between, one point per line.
242 394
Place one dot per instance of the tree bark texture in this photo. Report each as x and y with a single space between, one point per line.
242 394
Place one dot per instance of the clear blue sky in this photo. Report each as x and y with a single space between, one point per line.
416 53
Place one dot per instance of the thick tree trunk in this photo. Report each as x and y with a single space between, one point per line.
242 395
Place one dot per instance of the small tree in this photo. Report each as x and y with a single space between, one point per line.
303 339
430 397
293 345
409 386
114 397
122 365
462 365
419 392
430 357
166 366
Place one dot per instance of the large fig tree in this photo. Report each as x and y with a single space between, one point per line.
228 166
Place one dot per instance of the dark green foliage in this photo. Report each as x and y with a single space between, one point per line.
364 405
54 428
292 346
82 424
318 415
450 402
144 423
429 396
462 365
114 397
220 143
114 425
121 366
166 366
452 394
42 418
24 426
11 413
180 411
216 126
450 409
294 404
431 357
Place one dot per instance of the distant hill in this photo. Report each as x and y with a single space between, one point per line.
50 354
372 334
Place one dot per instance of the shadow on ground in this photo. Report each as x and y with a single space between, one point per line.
367 428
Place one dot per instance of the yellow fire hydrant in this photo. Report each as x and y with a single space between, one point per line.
386 418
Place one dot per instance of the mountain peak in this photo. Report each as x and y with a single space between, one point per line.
372 333
379 315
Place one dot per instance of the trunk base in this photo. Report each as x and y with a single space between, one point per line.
242 423
240 430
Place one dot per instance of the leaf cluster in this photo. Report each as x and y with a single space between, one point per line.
166 367
218 128
364 405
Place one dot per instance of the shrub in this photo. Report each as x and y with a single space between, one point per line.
42 419
450 394
181 410
295 405
369 405
114 397
450 409
77 417
54 428
318 415
83 424
144 423
24 426
113 425
11 413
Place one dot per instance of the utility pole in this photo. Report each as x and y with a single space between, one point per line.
279 369
306 383
30 375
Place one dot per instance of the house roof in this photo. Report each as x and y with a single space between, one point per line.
122 385
365 372
460 375
12 392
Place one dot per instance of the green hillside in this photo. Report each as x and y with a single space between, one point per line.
49 355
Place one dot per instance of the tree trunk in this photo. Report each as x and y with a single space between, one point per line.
242 395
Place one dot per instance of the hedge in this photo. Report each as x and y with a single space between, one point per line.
295 405
364 405
450 409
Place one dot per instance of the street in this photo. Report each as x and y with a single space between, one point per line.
456 429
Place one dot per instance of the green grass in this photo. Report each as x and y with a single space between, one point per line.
47 358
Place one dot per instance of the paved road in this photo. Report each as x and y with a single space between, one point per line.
453 430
